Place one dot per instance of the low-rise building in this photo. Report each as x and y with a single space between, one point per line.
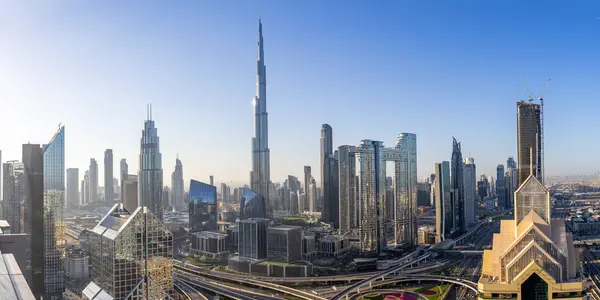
309 248
213 244
77 264
426 235
284 243
333 245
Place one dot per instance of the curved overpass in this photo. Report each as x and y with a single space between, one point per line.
244 279
358 285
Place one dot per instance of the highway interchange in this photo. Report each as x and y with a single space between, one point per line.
462 271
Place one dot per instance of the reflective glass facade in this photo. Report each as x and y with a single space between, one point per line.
150 178
252 238
13 185
405 171
202 206
252 205
54 202
532 196
128 248
347 190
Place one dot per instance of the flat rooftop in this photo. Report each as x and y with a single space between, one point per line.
210 234
285 227
12 282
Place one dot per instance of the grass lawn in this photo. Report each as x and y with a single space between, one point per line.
439 289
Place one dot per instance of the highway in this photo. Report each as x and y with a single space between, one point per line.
220 289
190 292
248 281
594 273
358 285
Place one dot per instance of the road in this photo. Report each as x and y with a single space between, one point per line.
203 273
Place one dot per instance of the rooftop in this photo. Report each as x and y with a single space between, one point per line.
210 234
285 227
12 282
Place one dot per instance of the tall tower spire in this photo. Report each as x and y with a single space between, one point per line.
260 175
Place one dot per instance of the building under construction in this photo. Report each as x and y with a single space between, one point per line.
529 136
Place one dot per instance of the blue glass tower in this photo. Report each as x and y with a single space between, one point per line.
252 205
202 206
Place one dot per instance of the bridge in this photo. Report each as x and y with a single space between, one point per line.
464 252
249 281
189 292
358 285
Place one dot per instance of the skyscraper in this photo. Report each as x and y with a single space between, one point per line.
500 189
444 211
85 192
109 192
371 196
33 163
127 266
470 178
129 189
260 178
405 214
73 187
347 195
252 238
54 202
326 173
14 184
457 187
307 177
252 204
177 186
312 198
93 189
150 178
202 207
529 137
124 173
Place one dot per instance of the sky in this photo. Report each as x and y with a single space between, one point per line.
370 69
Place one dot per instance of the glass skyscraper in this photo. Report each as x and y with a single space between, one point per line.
150 178
177 186
444 211
347 189
202 206
252 205
405 214
371 194
260 176
457 186
13 183
54 202
132 256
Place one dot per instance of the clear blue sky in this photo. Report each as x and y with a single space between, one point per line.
371 69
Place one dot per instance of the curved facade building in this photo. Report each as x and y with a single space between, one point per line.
202 206
54 226
252 205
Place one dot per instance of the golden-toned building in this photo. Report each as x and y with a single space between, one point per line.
533 256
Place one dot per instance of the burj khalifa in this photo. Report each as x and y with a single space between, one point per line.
260 178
